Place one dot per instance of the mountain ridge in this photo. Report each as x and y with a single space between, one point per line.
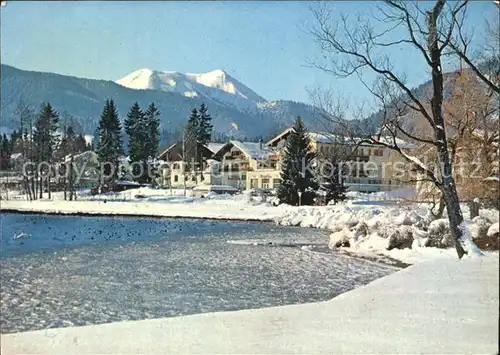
216 85
84 98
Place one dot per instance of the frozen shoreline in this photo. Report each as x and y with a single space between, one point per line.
130 215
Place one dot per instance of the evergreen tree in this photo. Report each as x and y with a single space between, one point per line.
5 152
45 141
16 141
67 145
205 126
332 183
297 172
110 146
135 127
152 117
44 136
190 139
80 144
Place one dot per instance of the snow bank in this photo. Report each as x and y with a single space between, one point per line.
445 306
375 228
156 203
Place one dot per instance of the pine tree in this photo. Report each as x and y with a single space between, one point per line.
135 127
152 116
297 175
80 144
5 152
190 139
44 135
45 140
110 146
333 183
205 126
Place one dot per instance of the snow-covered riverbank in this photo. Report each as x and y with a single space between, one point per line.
154 203
445 305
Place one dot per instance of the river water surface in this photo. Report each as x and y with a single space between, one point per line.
61 271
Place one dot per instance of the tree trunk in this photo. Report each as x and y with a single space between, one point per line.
40 182
474 209
71 179
448 187
33 189
455 217
65 188
48 183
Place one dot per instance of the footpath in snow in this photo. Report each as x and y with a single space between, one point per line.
440 306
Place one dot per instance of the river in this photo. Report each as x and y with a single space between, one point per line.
59 271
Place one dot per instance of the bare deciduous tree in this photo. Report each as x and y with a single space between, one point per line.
433 31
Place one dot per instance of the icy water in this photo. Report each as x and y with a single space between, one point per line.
59 271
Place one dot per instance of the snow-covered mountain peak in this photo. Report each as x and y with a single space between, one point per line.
216 84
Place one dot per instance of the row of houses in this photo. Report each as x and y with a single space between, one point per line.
257 165
250 165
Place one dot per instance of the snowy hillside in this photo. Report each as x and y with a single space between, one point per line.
216 85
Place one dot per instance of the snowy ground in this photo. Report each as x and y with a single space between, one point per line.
442 306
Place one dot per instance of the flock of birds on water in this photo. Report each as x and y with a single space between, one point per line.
119 231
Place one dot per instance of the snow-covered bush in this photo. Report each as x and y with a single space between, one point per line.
400 238
490 239
493 230
407 219
339 239
439 234
479 227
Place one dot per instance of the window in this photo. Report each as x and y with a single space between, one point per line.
193 178
176 178
265 183
254 183
276 183
176 165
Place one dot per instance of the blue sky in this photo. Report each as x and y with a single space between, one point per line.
265 45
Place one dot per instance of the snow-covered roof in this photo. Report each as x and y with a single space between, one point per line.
215 147
321 137
280 136
258 151
400 142
167 150
16 156
88 155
